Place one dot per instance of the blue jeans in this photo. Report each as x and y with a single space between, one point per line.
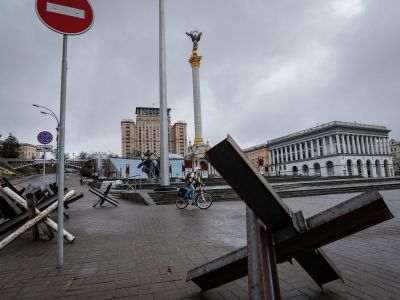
189 193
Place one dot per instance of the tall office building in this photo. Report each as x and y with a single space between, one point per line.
144 134
178 138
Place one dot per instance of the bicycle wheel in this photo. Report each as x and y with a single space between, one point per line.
181 203
204 200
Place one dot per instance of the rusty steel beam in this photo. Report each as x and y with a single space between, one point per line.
220 271
344 219
294 237
234 265
263 278
228 159
318 265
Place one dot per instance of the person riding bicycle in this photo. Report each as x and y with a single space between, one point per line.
194 179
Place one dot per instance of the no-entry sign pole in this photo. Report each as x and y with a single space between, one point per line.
61 156
68 17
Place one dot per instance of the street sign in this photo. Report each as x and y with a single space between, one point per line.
44 148
66 16
44 137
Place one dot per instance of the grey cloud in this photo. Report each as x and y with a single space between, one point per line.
269 68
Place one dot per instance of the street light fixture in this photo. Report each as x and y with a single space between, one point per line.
51 113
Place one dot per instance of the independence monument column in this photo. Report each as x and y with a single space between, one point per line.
194 61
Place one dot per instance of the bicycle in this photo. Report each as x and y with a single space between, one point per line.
201 199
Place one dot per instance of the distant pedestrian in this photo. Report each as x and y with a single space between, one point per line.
81 181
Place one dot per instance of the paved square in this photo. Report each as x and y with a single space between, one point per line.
139 252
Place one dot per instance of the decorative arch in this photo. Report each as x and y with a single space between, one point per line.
204 165
305 170
295 170
317 169
386 167
349 165
330 168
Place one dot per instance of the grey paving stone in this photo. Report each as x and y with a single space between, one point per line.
140 252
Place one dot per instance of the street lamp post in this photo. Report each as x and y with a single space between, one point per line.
51 113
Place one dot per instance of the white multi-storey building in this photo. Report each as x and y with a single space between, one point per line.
333 149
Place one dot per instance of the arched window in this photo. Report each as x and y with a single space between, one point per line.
317 169
349 165
305 170
330 168
295 171
369 169
386 167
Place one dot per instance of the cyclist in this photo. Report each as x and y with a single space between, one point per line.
194 179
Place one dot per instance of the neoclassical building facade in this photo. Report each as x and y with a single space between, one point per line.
333 149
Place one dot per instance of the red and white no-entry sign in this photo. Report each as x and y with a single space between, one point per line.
65 16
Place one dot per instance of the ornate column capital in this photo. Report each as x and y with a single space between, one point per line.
195 59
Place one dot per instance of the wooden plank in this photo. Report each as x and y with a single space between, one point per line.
21 218
228 159
30 206
31 222
48 221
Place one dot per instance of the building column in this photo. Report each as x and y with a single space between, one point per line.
338 148
358 144
381 145
286 154
348 143
324 145
306 149
388 147
363 147
368 151
384 145
353 141
312 148
296 156
371 142
290 153
318 148
278 154
301 151
344 144
270 157
348 146
331 144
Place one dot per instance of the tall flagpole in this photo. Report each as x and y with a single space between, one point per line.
61 151
164 159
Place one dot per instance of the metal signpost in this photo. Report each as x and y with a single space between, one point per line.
68 17
44 137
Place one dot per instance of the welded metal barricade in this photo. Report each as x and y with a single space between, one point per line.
103 196
275 234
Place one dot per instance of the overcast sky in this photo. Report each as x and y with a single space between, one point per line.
269 68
